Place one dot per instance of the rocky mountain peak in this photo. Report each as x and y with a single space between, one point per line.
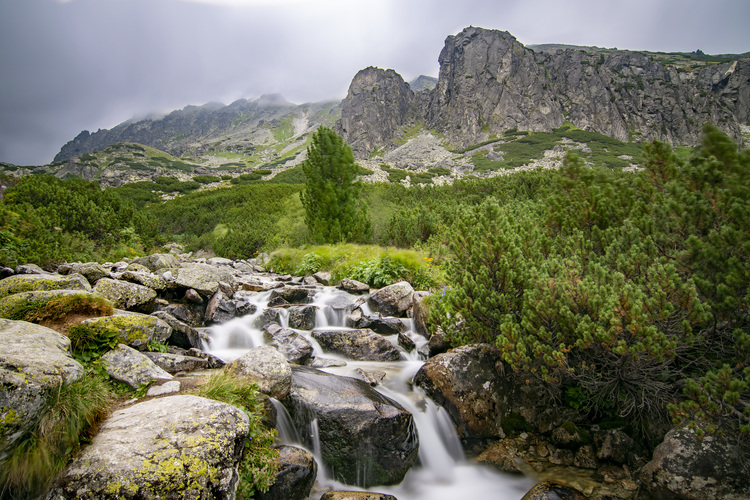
379 103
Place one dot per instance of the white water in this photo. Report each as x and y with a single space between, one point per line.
442 471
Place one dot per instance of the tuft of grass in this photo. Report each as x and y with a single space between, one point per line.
72 413
260 462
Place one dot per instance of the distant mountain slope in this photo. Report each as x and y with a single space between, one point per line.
252 133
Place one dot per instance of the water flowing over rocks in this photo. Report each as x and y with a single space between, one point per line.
296 348
34 360
170 447
365 438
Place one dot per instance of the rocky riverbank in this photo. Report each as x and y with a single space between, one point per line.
170 444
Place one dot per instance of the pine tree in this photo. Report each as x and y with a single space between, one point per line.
334 211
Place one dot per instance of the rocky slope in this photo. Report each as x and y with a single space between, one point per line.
490 83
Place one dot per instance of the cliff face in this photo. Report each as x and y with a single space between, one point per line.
379 103
490 83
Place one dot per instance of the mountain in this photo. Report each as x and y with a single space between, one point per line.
489 84
259 132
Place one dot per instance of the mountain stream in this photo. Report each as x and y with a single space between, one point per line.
442 471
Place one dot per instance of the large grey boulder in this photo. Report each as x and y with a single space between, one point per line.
468 382
134 329
365 438
267 367
202 278
353 286
175 363
158 261
132 367
295 348
392 300
220 308
34 360
42 282
295 478
92 271
302 317
419 313
685 467
173 447
152 281
126 295
361 345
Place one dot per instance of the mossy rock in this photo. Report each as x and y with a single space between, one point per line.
16 301
42 282
135 330
126 295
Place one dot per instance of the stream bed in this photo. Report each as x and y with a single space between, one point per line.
442 471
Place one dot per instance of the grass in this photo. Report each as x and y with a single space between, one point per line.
72 413
349 260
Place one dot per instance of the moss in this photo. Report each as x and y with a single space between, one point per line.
514 424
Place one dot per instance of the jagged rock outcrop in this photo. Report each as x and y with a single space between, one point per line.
378 104
490 83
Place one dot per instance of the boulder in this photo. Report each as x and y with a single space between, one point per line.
686 467
406 342
500 456
189 314
92 271
392 300
152 281
291 294
132 367
30 269
34 360
220 308
614 445
361 345
365 438
295 348
42 282
385 325
468 382
419 313
175 363
322 277
302 317
267 367
353 286
183 335
267 317
295 478
202 278
10 302
549 490
134 329
158 261
172 447
126 295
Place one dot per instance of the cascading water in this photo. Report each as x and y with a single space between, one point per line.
442 472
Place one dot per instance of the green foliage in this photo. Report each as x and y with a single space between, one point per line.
260 462
206 179
377 272
88 344
311 264
334 211
70 415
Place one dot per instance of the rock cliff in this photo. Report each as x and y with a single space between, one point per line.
490 83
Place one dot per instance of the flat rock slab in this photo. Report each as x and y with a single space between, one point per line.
33 361
173 447
132 367
40 282
361 345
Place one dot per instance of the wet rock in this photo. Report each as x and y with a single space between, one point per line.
362 345
365 437
567 435
267 317
371 377
437 343
501 457
296 477
295 348
616 446
302 317
291 294
419 313
126 295
318 362
385 325
585 458
183 335
466 381
160 449
684 466
267 367
552 491
132 367
42 282
34 360
135 330
392 300
220 308
406 342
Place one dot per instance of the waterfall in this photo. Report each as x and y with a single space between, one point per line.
442 471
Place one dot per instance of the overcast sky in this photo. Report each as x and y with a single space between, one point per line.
71 65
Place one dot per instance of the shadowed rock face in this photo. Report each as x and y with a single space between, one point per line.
365 437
